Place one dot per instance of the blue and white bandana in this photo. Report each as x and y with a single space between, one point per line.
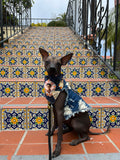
73 104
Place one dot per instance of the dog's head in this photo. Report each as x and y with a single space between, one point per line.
53 64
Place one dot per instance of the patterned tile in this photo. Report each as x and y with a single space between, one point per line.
4 72
12 61
73 61
6 46
1 52
7 89
24 61
98 89
59 53
26 89
36 61
28 42
40 91
88 53
51 52
42 72
2 60
37 118
75 47
82 88
9 53
102 72
74 72
19 53
83 61
111 116
78 53
113 88
23 46
88 72
32 47
13 119
17 72
94 61
95 117
14 46
32 72
29 53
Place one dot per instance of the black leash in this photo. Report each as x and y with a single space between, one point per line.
49 131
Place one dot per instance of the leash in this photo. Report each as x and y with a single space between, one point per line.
49 131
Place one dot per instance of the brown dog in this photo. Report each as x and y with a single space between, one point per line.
80 122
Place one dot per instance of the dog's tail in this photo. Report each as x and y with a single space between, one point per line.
108 129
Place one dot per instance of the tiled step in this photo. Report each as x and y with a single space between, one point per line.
69 71
32 113
54 52
48 45
55 44
46 38
37 60
34 87
31 145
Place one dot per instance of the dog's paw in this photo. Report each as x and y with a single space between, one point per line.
56 152
47 134
74 142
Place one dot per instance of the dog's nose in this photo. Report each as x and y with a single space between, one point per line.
52 69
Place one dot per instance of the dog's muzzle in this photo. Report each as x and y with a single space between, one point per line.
52 71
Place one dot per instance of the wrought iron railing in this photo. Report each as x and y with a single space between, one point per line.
89 19
15 16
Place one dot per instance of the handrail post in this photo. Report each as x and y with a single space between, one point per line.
30 16
116 31
1 22
49 132
106 30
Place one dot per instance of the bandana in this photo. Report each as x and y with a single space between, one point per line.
73 104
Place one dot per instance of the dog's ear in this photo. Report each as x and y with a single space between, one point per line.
65 59
43 53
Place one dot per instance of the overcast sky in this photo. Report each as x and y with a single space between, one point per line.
52 8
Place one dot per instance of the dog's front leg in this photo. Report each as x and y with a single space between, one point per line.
59 106
55 123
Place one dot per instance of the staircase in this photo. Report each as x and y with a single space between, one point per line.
23 106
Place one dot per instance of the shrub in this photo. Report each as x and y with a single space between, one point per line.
57 24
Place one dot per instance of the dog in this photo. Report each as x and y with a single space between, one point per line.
79 121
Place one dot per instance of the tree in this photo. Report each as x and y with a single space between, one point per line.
12 7
62 17
111 36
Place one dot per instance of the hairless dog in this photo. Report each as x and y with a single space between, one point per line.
59 94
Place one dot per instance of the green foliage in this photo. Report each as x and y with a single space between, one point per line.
62 17
59 22
56 24
39 25
112 76
16 3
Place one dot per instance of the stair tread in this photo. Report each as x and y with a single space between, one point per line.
41 102
67 79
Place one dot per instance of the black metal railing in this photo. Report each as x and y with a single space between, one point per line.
15 16
90 20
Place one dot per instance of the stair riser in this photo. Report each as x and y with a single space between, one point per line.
37 119
53 52
35 89
37 61
68 71
47 44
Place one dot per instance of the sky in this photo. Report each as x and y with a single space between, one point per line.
52 8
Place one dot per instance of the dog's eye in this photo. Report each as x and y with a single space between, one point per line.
47 62
58 64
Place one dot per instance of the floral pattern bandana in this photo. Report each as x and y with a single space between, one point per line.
73 104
